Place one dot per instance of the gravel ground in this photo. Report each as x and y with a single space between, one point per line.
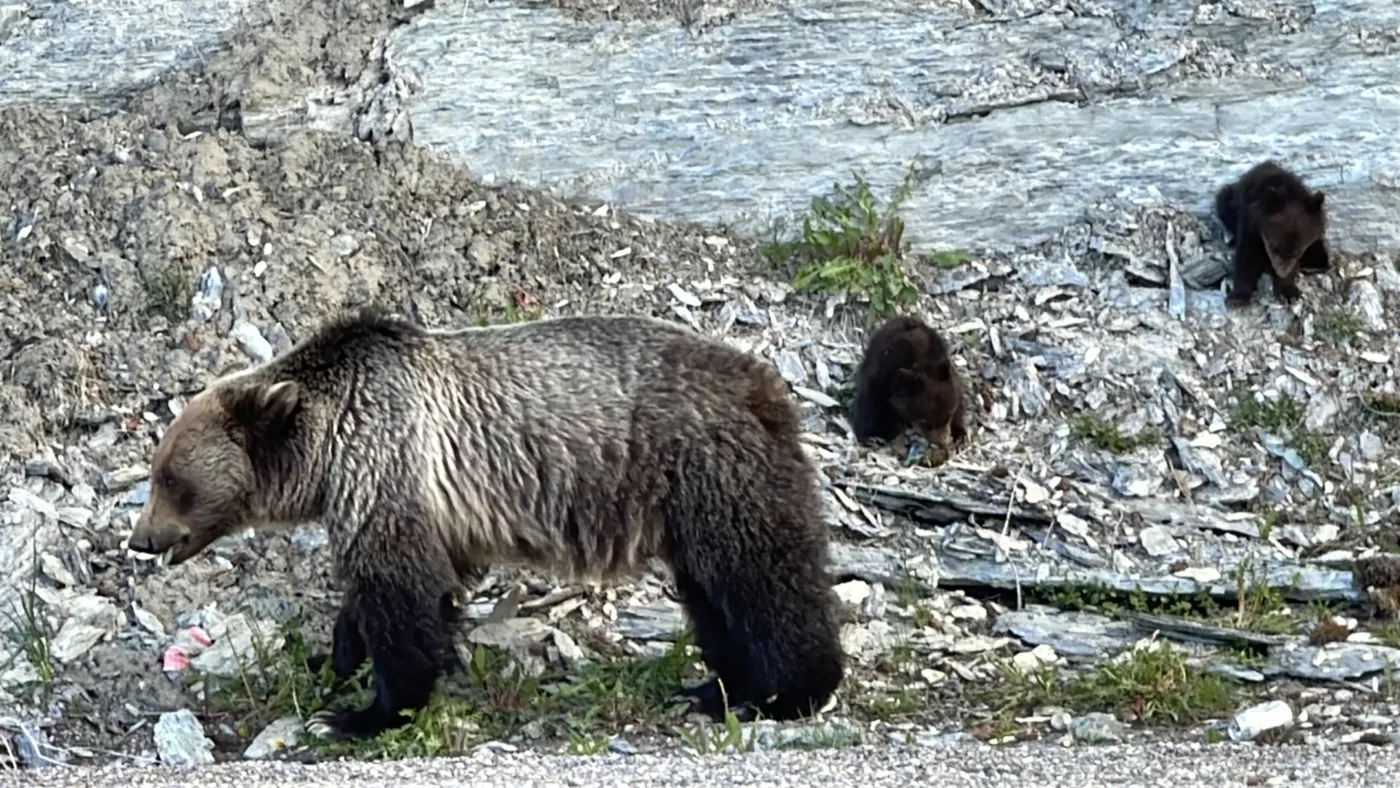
944 766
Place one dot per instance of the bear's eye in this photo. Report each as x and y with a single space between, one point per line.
177 491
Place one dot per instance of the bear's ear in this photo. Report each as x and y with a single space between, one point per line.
267 410
1318 199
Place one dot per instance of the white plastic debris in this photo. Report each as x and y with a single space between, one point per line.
1255 720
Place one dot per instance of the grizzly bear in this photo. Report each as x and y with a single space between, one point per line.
583 445
907 379
1276 225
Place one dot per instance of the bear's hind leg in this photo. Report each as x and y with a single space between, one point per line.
724 655
747 539
1227 210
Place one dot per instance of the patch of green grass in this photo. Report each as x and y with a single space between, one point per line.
518 307
168 291
1384 410
1245 655
498 702
947 258
1384 405
1267 521
703 739
1281 416
273 684
1260 608
583 743
1108 437
491 699
29 635
850 241
899 702
1338 325
1100 598
1150 682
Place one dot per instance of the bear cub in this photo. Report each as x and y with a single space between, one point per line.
581 445
906 379
1276 225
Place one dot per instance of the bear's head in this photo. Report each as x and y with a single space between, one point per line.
925 396
1289 227
214 466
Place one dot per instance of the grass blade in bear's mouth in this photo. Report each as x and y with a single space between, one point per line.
166 556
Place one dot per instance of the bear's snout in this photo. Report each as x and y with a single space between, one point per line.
156 540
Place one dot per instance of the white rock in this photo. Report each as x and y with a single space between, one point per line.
1026 662
974 644
852 592
1366 300
280 734
874 605
968 613
250 340
1072 525
234 639
1034 493
180 740
1320 411
569 651
148 620
867 641
1158 541
54 568
684 296
1371 445
1201 574
74 639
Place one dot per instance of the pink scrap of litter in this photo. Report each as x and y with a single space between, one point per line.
177 656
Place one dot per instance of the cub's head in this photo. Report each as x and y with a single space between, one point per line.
1290 228
925 396
209 472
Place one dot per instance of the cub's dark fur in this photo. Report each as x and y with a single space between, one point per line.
906 378
1277 225
584 445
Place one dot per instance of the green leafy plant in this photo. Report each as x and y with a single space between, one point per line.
850 241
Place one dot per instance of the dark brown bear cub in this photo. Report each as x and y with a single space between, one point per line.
906 379
1277 225
582 445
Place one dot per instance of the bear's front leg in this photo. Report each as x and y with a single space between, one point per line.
402 601
347 646
1315 259
1287 288
1250 263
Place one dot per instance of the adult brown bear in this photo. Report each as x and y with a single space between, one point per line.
582 444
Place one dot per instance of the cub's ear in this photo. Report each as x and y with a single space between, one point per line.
1318 199
266 410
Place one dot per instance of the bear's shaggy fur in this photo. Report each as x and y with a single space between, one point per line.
907 379
1276 225
583 445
